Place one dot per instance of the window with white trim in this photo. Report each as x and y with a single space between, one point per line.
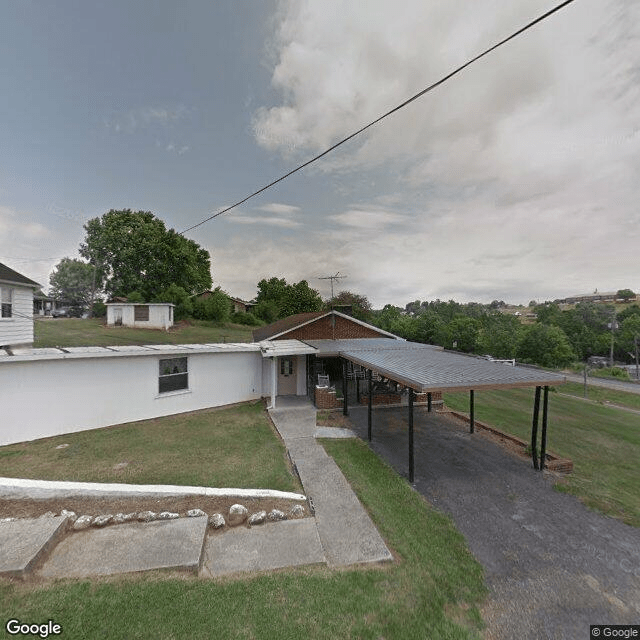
173 375
6 302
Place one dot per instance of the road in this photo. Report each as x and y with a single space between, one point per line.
608 383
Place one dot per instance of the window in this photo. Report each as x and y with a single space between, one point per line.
173 375
286 367
141 313
6 300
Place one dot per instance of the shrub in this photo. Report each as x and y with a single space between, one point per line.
99 309
179 297
247 318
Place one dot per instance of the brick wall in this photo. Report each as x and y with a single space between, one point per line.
396 398
321 329
326 399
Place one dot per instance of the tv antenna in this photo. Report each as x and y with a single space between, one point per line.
332 278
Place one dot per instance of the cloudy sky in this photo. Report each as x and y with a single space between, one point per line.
518 179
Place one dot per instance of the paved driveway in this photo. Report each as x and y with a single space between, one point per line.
553 567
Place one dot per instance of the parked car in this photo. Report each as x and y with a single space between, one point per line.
62 312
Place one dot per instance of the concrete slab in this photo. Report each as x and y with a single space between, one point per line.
169 544
334 433
271 546
23 542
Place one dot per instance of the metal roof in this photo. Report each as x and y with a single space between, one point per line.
333 348
430 369
271 348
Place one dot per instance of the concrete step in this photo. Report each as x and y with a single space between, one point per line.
26 541
125 548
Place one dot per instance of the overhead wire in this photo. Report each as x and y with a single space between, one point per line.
387 114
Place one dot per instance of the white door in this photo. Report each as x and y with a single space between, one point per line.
117 316
287 377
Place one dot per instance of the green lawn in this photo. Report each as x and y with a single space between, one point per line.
76 332
432 591
233 447
602 441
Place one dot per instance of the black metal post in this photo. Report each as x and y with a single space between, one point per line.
357 389
345 393
429 402
411 393
472 411
543 441
534 428
370 376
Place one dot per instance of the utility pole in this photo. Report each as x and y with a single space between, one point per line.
614 326
332 278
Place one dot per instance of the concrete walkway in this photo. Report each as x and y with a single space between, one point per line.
340 534
346 532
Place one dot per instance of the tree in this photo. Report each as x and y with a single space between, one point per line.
626 294
216 306
546 345
360 305
134 251
179 297
72 281
289 298
630 334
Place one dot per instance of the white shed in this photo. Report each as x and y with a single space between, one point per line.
155 315
16 308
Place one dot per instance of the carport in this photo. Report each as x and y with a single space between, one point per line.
420 368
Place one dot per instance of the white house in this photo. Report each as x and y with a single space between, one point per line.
88 387
16 311
142 316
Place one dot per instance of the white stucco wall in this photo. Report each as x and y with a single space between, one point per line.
160 315
42 398
18 329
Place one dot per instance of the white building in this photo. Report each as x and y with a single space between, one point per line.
142 316
88 387
16 310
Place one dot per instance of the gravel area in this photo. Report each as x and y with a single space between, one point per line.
552 566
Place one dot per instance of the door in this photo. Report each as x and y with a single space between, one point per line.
117 316
287 379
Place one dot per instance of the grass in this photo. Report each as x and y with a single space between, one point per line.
602 441
233 447
432 591
602 394
77 332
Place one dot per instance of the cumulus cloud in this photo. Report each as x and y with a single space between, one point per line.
514 176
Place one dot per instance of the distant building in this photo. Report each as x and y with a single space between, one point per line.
158 315
596 296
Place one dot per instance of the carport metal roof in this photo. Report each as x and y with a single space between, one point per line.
425 368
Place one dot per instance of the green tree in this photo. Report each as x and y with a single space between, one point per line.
462 334
546 345
626 294
361 307
630 334
289 298
498 336
134 251
72 281
180 298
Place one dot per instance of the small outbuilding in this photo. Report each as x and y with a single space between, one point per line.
154 315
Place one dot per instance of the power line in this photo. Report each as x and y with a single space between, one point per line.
388 113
